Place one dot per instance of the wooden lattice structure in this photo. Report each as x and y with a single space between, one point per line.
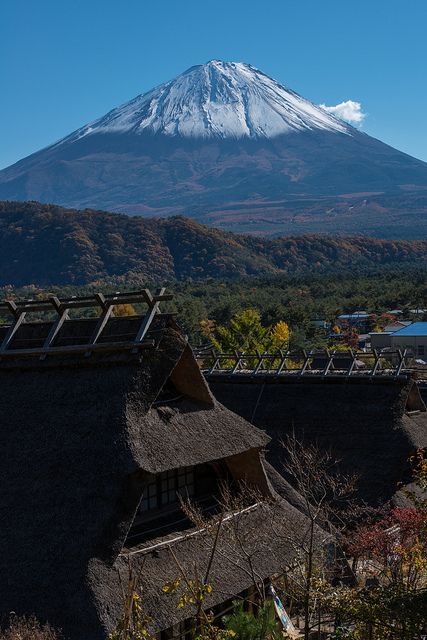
103 305
306 364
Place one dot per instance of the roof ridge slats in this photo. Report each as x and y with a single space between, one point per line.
62 306
312 364
154 308
56 327
19 319
80 302
107 312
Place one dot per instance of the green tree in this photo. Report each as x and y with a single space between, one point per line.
244 333
244 625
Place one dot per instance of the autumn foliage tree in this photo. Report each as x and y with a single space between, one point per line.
395 548
351 338
245 333
390 562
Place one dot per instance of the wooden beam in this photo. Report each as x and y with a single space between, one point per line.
259 364
147 320
78 348
353 363
282 364
306 362
107 312
10 306
12 331
237 362
55 329
329 364
377 363
402 357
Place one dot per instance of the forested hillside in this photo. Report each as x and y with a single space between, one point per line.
47 245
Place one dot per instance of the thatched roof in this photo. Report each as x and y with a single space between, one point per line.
252 546
371 425
77 436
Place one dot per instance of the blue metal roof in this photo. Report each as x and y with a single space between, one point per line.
354 316
414 329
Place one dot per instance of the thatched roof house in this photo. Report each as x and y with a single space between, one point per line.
371 424
99 437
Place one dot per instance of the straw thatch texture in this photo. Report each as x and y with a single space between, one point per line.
365 423
252 546
77 436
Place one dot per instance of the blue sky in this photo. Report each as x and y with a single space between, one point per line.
65 62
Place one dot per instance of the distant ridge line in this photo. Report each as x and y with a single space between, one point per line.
48 245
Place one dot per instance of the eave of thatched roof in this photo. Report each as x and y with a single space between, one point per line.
262 534
185 434
284 489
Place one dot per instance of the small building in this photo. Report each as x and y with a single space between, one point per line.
359 320
412 337
320 323
106 424
417 312
382 339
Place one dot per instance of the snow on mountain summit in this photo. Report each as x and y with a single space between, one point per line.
217 99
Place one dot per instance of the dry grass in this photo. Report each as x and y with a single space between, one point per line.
28 628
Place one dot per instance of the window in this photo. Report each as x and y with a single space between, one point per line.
160 511
165 488
420 349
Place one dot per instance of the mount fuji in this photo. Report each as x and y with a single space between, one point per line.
215 100
228 145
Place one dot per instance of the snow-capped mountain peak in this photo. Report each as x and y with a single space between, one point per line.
217 99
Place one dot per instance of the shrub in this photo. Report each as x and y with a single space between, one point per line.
28 628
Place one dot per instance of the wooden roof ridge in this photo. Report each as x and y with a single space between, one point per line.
19 310
315 363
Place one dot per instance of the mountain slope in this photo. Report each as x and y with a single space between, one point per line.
46 245
227 145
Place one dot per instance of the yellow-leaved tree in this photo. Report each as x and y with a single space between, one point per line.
245 333
279 336
124 310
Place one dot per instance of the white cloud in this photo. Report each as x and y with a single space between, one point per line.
349 110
